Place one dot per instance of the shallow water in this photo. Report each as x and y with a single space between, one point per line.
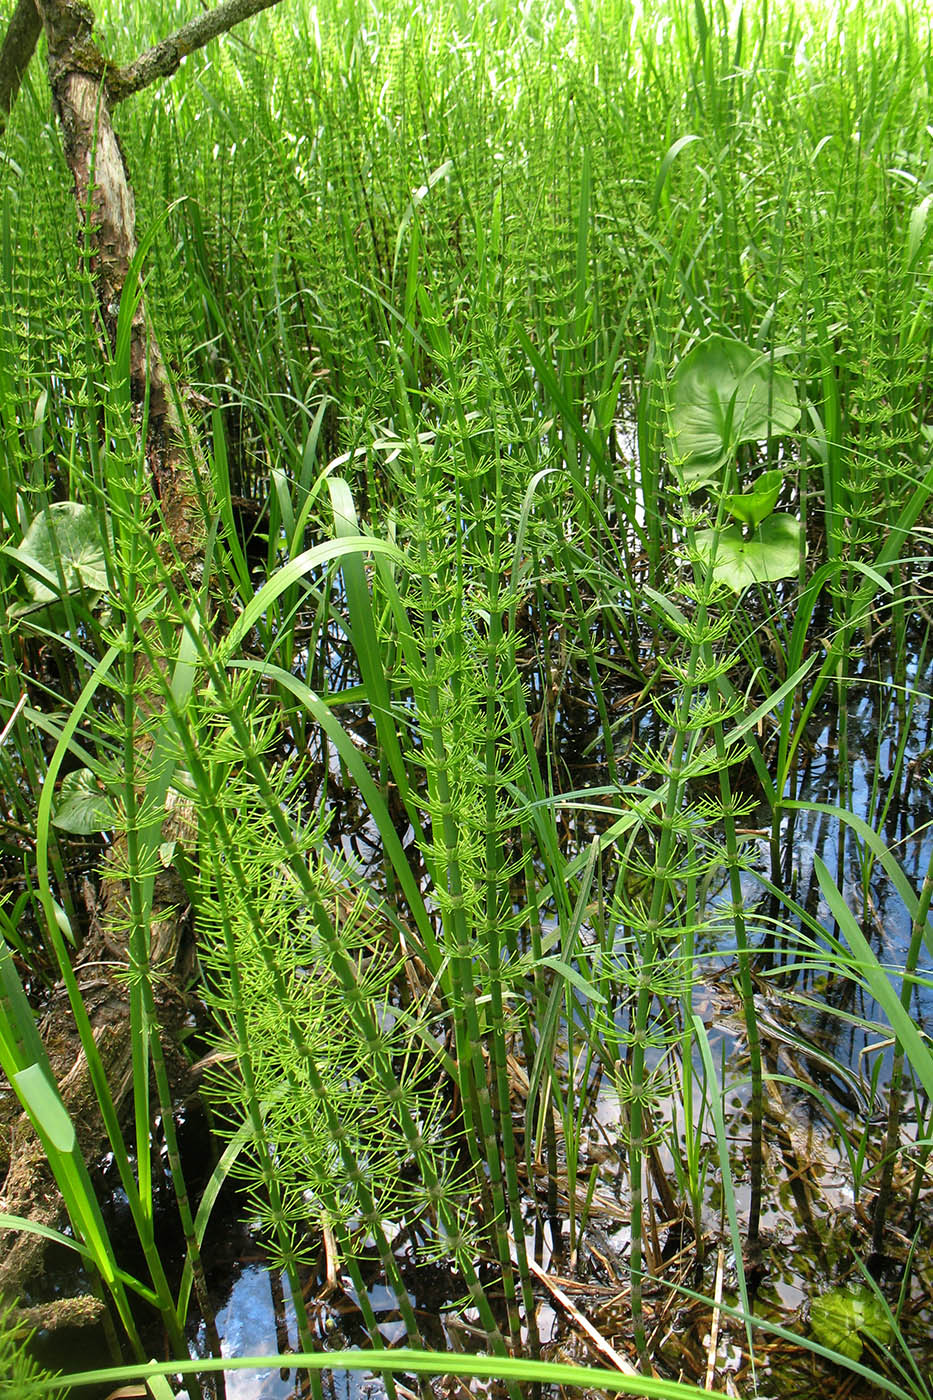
801 1257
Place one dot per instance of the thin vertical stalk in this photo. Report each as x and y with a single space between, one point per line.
729 809
891 1144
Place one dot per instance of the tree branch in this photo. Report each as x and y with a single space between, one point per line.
19 44
163 60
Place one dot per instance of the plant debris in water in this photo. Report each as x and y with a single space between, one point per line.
498 695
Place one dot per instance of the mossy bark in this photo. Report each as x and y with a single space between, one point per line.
78 75
19 45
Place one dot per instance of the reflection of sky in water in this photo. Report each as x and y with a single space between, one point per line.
885 782
247 1328
887 743
897 805
246 1324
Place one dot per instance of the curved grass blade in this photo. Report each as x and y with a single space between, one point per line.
915 1046
426 1363
369 791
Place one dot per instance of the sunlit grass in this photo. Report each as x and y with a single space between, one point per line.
430 269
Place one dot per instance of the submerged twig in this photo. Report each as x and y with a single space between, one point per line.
605 1350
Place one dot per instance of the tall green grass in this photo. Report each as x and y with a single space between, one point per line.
432 271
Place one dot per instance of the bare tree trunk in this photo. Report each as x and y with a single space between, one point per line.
19 45
103 194
163 59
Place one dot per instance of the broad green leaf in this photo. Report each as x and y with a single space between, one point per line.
33 1227
83 807
845 1317
45 1107
295 569
417 197
159 1388
723 394
772 552
752 507
68 534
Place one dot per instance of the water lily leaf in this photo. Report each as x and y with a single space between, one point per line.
772 552
722 394
69 533
752 507
83 806
846 1317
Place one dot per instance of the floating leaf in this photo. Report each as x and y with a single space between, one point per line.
772 552
724 394
846 1317
65 535
752 507
83 806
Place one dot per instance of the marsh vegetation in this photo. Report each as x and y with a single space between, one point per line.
508 815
